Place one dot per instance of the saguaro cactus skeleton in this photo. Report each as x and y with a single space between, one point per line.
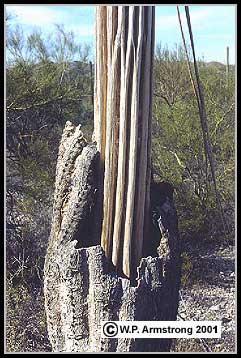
123 92
96 266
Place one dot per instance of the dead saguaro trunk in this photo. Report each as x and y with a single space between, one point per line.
227 67
123 92
106 259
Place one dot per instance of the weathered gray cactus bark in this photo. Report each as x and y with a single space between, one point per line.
80 288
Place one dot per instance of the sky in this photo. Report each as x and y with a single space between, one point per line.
213 26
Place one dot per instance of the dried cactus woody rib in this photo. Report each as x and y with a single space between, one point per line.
125 114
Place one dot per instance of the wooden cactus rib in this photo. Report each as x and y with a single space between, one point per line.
100 80
133 152
110 157
120 186
126 158
143 145
148 174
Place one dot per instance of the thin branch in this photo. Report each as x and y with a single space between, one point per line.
222 119
193 85
163 97
47 102
204 123
188 60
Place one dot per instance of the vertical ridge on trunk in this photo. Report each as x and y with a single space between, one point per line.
129 240
111 125
100 79
148 174
120 185
143 137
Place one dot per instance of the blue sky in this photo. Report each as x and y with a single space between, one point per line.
213 25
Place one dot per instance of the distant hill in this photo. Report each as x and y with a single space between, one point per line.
215 63
218 65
